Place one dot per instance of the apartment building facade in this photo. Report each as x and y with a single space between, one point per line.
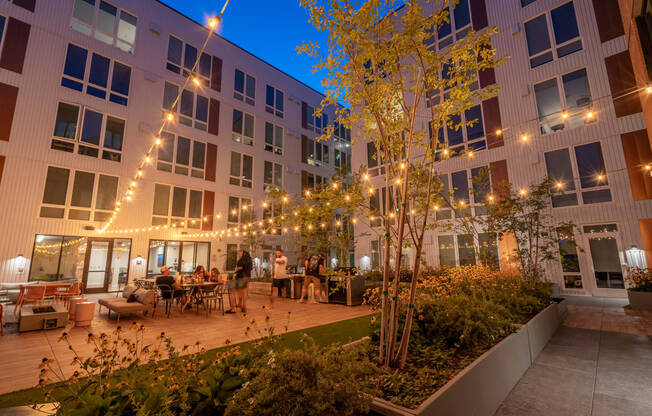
569 107
85 86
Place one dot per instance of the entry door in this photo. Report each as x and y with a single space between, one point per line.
97 269
605 258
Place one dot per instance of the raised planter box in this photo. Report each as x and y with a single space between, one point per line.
640 300
481 387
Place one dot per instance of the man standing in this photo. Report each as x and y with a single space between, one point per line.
314 268
279 275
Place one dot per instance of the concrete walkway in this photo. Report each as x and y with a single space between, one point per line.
598 363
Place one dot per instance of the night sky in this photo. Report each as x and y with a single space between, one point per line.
269 29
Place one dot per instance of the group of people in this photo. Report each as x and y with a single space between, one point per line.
314 267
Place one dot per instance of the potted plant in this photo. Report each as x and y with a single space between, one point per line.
639 288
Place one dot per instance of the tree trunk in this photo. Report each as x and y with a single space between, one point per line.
384 294
401 355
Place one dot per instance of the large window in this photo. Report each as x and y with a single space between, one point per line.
106 23
240 212
273 138
560 22
457 26
567 107
192 108
99 76
88 132
272 211
244 87
314 152
310 182
470 190
181 155
570 261
314 123
464 133
273 176
274 101
462 250
91 197
242 167
378 206
57 257
341 159
177 207
341 133
243 128
179 256
183 56
581 168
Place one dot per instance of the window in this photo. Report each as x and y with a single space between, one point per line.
566 108
526 2
470 189
314 123
243 128
241 170
459 136
182 156
99 134
377 205
273 176
584 170
93 75
91 198
273 138
274 101
433 97
314 153
57 257
3 21
176 206
375 254
310 182
643 18
570 262
562 23
244 87
460 250
374 160
100 20
179 256
450 32
342 160
182 55
240 212
192 108
341 133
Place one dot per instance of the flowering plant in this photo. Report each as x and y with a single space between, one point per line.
639 280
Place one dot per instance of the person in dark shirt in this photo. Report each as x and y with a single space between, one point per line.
242 276
166 279
314 268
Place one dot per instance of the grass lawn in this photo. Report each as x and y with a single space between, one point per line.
339 332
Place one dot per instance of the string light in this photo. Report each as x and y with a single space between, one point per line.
600 177
170 116
196 81
649 89
522 192
524 138
365 177
564 115
559 185
499 132
140 172
158 141
589 115
148 159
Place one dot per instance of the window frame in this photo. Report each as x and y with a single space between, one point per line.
240 137
578 191
244 95
116 26
474 145
184 119
85 83
435 41
176 167
268 186
563 124
3 31
456 247
275 110
241 179
78 143
554 47
180 69
174 221
325 155
242 211
68 206
273 147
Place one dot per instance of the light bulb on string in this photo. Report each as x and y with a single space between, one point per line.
589 115
522 192
196 81
140 172
649 89
170 116
148 159
564 115
158 141
499 132
524 138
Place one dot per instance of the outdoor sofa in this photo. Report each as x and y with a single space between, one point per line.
145 301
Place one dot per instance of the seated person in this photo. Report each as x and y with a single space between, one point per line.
215 275
166 279
200 274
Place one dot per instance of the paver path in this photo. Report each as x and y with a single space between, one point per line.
599 363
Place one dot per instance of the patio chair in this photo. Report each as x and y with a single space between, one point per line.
169 296
33 293
74 290
212 295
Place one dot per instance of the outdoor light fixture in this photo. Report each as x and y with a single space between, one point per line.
649 89
139 259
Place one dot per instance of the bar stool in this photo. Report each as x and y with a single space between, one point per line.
84 312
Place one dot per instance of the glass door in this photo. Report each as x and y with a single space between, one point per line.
97 270
605 256
119 272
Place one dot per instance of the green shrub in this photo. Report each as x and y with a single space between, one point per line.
312 381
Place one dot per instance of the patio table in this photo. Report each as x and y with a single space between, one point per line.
195 294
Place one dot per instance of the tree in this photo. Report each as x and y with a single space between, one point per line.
526 215
380 63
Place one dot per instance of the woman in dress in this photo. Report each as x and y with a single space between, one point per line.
242 276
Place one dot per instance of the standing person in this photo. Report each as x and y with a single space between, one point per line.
279 275
242 276
314 267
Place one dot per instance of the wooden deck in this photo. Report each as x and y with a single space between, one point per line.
21 353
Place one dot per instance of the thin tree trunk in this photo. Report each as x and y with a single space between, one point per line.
384 294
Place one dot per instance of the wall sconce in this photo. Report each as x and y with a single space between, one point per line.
139 259
20 262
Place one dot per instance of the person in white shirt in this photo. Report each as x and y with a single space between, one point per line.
279 275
